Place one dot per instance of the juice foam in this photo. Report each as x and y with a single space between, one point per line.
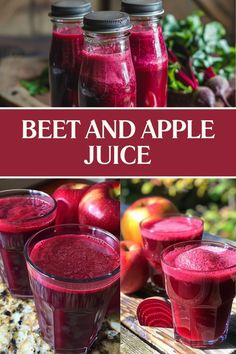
74 257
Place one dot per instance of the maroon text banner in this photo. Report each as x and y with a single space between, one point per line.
117 142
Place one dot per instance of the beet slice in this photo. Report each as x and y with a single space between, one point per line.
155 312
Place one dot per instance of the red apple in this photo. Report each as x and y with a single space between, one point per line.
134 267
100 207
68 197
142 209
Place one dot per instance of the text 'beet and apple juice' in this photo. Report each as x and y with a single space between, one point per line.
74 272
148 51
65 54
107 76
22 213
200 280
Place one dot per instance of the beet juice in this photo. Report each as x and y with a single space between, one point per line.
74 272
160 233
148 51
107 76
65 54
22 213
200 281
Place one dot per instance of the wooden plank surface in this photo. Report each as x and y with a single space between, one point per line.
131 344
161 340
15 68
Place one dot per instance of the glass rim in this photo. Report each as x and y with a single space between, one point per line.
220 244
68 280
169 216
20 192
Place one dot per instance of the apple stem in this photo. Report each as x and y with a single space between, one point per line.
115 193
126 249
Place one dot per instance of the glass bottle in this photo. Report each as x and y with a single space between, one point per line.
107 76
149 51
65 54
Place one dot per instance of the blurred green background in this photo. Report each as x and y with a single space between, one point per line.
212 199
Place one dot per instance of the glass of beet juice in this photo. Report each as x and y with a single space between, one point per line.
200 278
148 51
22 213
107 76
74 271
158 234
65 53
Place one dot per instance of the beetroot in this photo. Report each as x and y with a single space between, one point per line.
232 83
203 97
220 86
231 98
155 312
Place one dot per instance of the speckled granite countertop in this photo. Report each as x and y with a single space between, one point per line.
20 334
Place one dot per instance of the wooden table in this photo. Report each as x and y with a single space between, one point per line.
136 339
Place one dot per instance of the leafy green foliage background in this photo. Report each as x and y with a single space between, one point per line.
204 45
212 199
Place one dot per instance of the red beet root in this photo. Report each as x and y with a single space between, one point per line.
203 97
155 312
220 86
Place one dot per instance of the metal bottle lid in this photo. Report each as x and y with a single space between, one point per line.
142 7
70 9
106 22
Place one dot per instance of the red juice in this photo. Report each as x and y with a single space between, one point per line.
160 233
103 80
107 76
73 278
151 66
200 281
22 213
65 61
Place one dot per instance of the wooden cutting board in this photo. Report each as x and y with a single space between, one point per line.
13 69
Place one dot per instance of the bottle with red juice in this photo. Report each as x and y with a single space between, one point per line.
107 76
65 53
148 51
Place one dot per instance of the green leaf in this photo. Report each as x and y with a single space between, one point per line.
213 32
170 25
206 44
38 85
222 47
174 83
193 22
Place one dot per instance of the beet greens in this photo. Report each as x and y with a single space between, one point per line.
197 52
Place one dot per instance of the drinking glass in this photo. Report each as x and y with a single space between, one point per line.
200 280
22 213
71 310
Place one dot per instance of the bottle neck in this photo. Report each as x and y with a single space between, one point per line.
59 24
145 22
107 43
